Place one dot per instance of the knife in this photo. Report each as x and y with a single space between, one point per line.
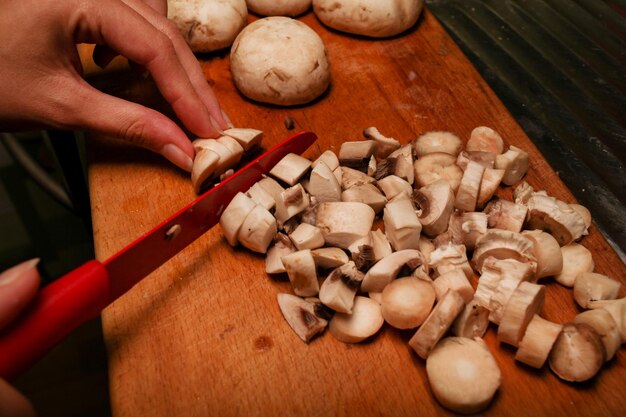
83 293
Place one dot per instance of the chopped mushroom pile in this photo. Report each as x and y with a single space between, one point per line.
389 233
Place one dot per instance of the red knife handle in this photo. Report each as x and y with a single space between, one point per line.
58 309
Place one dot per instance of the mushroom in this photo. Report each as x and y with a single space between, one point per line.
260 196
506 215
488 185
364 257
472 322
257 230
229 156
327 258
351 177
385 168
555 217
537 341
547 252
323 185
356 154
514 162
407 301
503 244
404 163
578 353
522 192
380 244
584 213
454 279
393 185
386 270
272 187
366 193
329 158
604 324
344 223
384 145
247 138
307 236
300 268
436 202
617 310
576 260
467 194
433 166
234 215
449 257
512 274
291 168
525 302
235 149
485 139
282 246
437 141
402 226
339 288
589 287
301 316
204 165
467 227
486 159
364 321
290 202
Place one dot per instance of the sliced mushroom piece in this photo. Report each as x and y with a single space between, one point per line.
506 215
513 273
449 257
227 157
385 168
257 230
503 244
351 177
576 260
236 150
515 163
364 257
282 246
472 322
246 137
365 321
301 316
578 353
525 302
407 301
386 270
323 185
537 342
522 192
380 244
433 166
617 310
367 194
584 213
402 227
205 164
393 185
437 323
340 287
456 280
291 168
329 158
437 141
327 258
467 227
272 187
356 155
290 202
234 215
547 252
488 282
589 287
404 163
259 195
426 246
555 217
488 186
467 194
436 203
384 145
486 159
344 223
300 268
485 139
372 166
307 236
603 323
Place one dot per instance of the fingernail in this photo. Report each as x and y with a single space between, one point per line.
11 274
177 156
225 116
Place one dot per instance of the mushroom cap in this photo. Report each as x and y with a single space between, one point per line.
364 321
407 301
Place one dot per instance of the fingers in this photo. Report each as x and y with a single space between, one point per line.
18 286
14 404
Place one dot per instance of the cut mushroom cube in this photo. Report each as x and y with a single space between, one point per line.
485 139
351 177
472 322
271 186
384 145
404 163
282 246
228 158
246 137
260 196
356 155
365 321
450 257
466 228
393 185
547 252
344 223
555 217
402 227
537 342
506 215
437 141
234 215
301 316
290 202
467 194
257 230
488 185
515 164
323 184
327 258
513 274
436 203
525 302
590 287
307 236
433 166
205 165
380 244
291 168
386 270
576 260
456 280
340 288
367 194
329 158
236 150
300 268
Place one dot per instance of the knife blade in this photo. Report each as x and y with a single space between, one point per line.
83 293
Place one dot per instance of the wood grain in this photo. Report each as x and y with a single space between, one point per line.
203 335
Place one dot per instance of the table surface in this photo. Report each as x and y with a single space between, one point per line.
203 334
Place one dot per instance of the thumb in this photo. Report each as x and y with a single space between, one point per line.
18 286
134 123
12 403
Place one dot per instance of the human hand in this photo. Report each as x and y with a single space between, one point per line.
18 286
41 80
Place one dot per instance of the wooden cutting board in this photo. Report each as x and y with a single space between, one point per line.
203 335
